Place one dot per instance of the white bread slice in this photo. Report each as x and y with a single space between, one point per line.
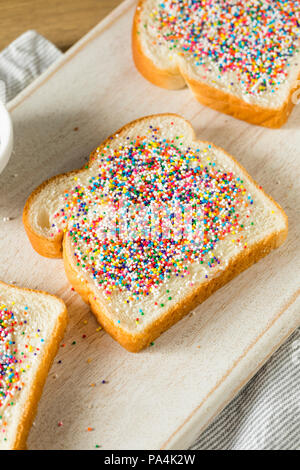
32 324
262 90
136 320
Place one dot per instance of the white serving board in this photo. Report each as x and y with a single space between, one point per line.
164 396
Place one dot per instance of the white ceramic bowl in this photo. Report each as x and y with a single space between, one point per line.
6 136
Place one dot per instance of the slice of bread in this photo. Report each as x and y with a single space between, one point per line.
32 324
241 58
153 225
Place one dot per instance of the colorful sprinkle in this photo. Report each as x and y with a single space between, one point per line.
15 359
153 208
155 185
253 42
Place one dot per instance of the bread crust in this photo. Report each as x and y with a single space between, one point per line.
49 354
48 247
136 342
207 95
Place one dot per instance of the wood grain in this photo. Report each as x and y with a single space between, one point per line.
62 22
163 396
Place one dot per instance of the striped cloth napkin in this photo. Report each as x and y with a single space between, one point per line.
266 413
24 60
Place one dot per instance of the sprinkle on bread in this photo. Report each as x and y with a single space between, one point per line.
240 57
166 184
152 225
15 361
32 324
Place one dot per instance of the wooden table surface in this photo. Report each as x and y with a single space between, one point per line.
61 21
